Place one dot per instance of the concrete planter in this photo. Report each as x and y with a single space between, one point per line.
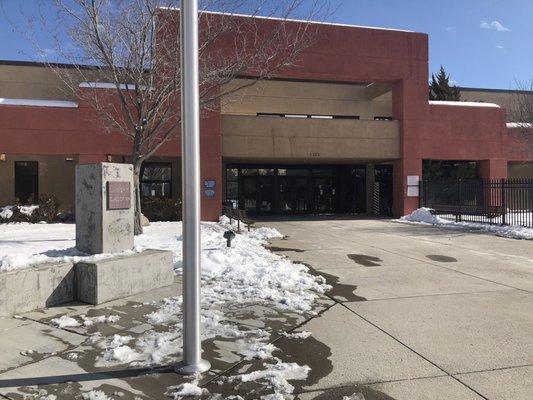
31 288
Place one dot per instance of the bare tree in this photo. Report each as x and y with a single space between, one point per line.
521 115
134 46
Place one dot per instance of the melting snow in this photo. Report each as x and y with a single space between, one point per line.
65 322
277 376
423 216
187 389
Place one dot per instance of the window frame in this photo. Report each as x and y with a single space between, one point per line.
156 181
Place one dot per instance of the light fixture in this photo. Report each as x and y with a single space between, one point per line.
229 236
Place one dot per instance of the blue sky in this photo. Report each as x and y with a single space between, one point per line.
481 43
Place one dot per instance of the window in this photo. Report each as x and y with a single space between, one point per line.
156 180
270 115
27 181
346 117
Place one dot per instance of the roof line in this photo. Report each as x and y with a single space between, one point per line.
466 89
294 20
46 64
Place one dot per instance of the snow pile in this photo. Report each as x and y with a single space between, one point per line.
6 212
276 376
424 216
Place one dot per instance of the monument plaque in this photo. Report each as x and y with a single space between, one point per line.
104 208
118 195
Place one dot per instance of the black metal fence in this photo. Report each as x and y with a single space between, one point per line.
494 201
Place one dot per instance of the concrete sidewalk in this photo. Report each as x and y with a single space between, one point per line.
415 313
420 313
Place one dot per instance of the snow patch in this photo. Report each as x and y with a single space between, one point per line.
297 335
95 395
65 322
101 319
276 376
462 104
519 125
188 389
38 103
355 396
423 216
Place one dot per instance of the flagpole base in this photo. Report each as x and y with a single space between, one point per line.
191 369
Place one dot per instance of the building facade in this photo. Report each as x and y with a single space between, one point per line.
346 130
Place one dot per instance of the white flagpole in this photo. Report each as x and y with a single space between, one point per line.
190 152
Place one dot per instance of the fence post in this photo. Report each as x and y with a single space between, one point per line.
504 203
458 217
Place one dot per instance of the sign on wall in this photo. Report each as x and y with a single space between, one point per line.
210 184
413 182
118 195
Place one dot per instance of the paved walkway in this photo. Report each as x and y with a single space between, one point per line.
415 313
420 312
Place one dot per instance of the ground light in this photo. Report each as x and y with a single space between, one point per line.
192 362
229 235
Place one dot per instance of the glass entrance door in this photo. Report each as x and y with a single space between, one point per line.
293 194
257 194
323 194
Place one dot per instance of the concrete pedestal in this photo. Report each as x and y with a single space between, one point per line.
101 281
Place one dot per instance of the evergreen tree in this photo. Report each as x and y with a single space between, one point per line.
440 89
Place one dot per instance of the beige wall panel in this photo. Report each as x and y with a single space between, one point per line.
508 100
309 98
520 170
56 176
282 138
37 82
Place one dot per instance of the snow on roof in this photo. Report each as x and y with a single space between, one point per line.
293 20
105 85
523 125
38 103
463 104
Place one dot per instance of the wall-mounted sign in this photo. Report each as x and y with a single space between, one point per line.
209 193
118 195
412 191
210 184
413 180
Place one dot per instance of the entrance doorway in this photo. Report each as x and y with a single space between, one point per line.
296 189
27 181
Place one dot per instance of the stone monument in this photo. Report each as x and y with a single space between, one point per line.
104 224
104 208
